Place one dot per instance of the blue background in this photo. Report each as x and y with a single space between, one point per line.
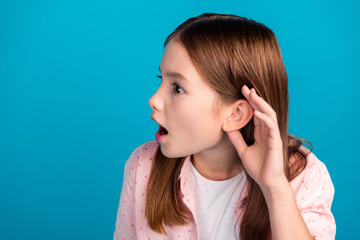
75 79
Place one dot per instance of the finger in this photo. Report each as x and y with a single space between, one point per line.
269 123
238 141
262 104
258 103
246 92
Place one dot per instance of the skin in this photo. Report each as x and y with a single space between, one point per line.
217 146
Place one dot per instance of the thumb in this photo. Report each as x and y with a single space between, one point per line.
238 141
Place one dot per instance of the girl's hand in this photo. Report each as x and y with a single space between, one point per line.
263 160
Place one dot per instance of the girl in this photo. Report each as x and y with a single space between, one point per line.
223 165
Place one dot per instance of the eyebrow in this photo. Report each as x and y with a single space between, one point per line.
175 75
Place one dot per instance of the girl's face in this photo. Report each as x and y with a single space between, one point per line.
184 106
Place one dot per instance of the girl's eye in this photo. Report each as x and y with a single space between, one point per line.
176 89
159 76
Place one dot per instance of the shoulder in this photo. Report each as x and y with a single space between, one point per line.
315 169
144 151
141 155
314 193
314 181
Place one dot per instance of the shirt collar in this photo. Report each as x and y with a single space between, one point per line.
185 177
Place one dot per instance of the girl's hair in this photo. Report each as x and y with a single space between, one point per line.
228 51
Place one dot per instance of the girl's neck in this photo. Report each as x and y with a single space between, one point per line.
220 166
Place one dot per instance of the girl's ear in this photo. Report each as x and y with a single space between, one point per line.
237 115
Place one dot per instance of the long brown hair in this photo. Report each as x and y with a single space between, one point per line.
228 51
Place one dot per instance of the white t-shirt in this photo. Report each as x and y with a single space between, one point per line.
215 204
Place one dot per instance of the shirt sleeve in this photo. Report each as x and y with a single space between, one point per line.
314 195
125 219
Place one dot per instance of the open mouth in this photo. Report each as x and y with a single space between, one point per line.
162 130
161 134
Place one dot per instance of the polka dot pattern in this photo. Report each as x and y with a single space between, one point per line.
313 190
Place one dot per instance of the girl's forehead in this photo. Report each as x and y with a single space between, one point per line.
177 64
175 56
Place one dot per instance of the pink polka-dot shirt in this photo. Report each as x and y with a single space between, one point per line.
313 190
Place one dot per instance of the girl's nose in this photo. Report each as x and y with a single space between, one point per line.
155 102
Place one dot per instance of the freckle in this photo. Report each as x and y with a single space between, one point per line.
124 201
143 194
189 230
138 157
145 148
123 215
139 165
145 176
132 168
178 236
302 181
135 182
132 225
188 200
140 228
141 211
151 159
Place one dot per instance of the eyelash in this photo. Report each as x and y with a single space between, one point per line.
175 86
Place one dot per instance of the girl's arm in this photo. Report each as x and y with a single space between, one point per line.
285 219
263 161
125 219
314 196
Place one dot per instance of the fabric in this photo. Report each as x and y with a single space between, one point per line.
313 191
215 202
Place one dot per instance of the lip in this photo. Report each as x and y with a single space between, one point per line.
152 118
156 121
158 136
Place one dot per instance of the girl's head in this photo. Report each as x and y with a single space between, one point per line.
206 61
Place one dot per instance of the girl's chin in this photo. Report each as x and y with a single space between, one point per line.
170 154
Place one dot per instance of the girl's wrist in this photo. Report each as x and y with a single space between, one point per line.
276 190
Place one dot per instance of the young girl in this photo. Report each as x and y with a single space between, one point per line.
223 165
